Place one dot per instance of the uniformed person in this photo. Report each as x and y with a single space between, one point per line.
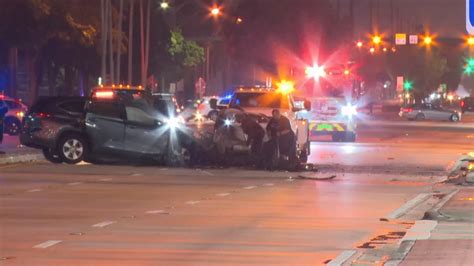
281 134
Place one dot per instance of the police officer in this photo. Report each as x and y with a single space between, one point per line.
3 111
281 134
255 134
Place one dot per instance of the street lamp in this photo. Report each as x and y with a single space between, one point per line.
359 44
164 5
215 11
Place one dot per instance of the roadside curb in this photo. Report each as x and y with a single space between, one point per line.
407 243
14 158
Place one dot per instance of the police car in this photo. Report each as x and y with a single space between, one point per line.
261 101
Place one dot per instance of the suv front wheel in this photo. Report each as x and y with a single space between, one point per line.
72 149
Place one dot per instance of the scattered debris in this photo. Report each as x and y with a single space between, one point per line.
383 219
77 234
318 176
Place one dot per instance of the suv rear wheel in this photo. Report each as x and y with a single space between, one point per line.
72 149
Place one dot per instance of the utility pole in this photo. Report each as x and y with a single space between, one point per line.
119 41
103 39
130 41
111 42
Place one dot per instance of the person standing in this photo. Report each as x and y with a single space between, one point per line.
281 134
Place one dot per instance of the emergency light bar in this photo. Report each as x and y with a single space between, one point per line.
104 94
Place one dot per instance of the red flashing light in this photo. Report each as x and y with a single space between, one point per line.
104 94
462 103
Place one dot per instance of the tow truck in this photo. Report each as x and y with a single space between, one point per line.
261 101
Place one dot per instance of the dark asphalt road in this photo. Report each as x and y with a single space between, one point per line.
126 215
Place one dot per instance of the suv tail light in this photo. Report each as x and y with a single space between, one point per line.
41 115
407 110
463 103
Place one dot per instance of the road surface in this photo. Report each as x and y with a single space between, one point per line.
129 215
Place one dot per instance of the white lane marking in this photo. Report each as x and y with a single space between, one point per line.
35 190
192 202
409 205
290 180
250 187
136 174
103 224
83 163
164 169
48 244
223 194
420 231
105 179
74 183
343 257
269 185
155 212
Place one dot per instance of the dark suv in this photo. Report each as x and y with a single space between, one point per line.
49 121
115 123
467 104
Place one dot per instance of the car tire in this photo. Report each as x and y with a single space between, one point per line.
420 117
12 126
73 148
454 118
52 156
303 158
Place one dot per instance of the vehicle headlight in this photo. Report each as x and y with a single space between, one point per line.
228 122
175 122
349 110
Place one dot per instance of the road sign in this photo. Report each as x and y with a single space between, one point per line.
400 39
413 39
200 86
470 16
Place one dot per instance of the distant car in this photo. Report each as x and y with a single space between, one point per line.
467 104
49 120
429 112
14 116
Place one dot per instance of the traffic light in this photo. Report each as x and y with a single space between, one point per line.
408 85
427 40
470 40
376 39
469 67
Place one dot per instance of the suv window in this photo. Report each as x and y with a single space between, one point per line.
73 106
105 108
139 108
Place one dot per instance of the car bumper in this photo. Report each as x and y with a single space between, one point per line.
34 140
